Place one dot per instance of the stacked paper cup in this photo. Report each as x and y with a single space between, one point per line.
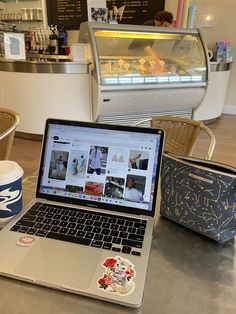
10 189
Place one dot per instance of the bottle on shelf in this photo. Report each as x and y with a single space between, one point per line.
228 52
13 28
53 37
224 52
62 39
51 40
33 43
28 40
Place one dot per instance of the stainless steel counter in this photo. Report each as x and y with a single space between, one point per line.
45 86
52 65
188 274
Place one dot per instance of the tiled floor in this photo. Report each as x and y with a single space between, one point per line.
27 153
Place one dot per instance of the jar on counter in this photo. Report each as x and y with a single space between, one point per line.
24 14
37 14
31 17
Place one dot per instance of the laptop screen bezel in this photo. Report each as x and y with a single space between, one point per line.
93 204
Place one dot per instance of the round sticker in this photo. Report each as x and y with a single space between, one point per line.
25 241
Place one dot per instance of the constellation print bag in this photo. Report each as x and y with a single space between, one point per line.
200 195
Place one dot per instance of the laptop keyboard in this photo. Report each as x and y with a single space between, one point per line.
109 232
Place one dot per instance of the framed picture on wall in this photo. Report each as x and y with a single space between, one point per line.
97 10
14 45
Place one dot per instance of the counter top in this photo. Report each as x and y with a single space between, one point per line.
187 274
42 66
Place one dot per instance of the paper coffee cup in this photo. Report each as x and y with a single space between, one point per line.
10 189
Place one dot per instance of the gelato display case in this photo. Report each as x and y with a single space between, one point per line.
139 71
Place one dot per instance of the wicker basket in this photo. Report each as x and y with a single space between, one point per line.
8 123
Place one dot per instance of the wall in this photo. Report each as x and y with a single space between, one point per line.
224 30
73 37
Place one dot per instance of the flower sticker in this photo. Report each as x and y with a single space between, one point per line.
118 276
109 262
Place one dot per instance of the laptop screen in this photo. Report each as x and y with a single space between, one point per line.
100 165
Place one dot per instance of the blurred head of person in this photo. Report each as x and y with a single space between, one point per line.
130 183
163 19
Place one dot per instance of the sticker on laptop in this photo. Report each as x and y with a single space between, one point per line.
25 241
118 276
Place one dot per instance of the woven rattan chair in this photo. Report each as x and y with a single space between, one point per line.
181 134
8 123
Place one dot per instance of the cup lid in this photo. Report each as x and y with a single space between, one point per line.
9 171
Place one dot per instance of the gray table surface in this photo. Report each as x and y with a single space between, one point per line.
187 273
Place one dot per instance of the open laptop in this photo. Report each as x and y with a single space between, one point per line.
89 229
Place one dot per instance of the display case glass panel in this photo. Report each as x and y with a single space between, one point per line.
129 57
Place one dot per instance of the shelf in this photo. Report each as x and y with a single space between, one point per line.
18 21
15 0
47 56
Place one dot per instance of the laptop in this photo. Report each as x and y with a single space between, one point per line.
89 229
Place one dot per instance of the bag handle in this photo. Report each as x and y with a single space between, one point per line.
205 164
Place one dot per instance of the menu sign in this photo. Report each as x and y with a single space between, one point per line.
68 10
73 12
138 11
69 13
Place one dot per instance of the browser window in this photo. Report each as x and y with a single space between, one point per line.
100 165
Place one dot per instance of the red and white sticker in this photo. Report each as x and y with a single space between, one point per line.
25 241
118 276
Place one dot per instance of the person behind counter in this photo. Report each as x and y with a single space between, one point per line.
162 19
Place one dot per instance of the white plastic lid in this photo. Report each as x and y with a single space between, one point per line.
10 171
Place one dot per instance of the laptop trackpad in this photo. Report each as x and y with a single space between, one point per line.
60 264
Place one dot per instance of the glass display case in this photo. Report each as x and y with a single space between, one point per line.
137 55
139 71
